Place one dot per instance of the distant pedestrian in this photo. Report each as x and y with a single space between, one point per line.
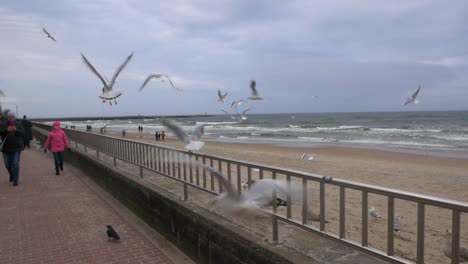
12 133
123 132
57 141
141 129
27 132
157 136
163 135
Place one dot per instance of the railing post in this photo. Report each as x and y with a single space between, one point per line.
288 195
364 228
85 148
390 223
304 201
97 153
455 237
141 171
342 212
322 206
420 241
185 192
115 162
274 219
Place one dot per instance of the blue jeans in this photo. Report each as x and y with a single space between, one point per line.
11 160
58 159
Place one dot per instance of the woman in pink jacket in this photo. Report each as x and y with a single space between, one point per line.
57 141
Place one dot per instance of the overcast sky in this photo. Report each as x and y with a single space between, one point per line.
356 55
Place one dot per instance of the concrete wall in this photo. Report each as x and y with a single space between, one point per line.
202 235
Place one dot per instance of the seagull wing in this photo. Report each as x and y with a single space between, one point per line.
2 94
120 70
219 94
224 182
253 85
48 34
415 94
225 112
246 110
91 67
178 132
172 84
260 193
198 132
155 76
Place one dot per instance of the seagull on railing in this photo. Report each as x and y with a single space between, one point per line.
253 89
193 140
158 76
413 97
108 94
374 214
48 35
462 252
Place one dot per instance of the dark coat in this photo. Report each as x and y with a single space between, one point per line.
27 125
14 142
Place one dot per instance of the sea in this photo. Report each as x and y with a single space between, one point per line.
431 133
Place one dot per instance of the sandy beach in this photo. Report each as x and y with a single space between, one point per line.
429 175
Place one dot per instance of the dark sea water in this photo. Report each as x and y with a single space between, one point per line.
443 133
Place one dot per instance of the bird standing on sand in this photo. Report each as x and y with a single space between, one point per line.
462 252
108 94
309 156
158 76
253 88
111 234
193 140
413 97
48 35
374 214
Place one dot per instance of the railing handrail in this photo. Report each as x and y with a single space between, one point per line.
415 197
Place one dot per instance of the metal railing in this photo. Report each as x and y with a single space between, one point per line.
172 163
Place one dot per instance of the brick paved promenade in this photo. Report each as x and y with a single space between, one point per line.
61 219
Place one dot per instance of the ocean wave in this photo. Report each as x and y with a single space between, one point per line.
215 123
293 126
362 128
401 143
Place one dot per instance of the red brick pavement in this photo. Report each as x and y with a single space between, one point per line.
59 219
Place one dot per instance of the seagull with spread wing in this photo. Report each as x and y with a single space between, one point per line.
221 97
158 76
193 140
253 88
48 35
242 115
108 93
413 97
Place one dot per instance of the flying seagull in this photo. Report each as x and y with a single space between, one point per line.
242 115
111 234
48 34
108 94
462 252
193 140
222 98
306 156
374 214
2 94
231 116
235 104
254 95
413 97
158 76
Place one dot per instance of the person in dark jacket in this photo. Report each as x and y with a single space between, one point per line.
12 133
27 132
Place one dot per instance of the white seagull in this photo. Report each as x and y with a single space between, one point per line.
374 214
254 95
48 34
235 104
308 156
158 76
462 252
242 115
193 140
231 116
108 94
222 98
413 97
396 224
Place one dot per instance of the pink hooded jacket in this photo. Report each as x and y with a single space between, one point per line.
57 139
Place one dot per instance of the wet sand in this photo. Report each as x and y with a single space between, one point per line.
429 175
